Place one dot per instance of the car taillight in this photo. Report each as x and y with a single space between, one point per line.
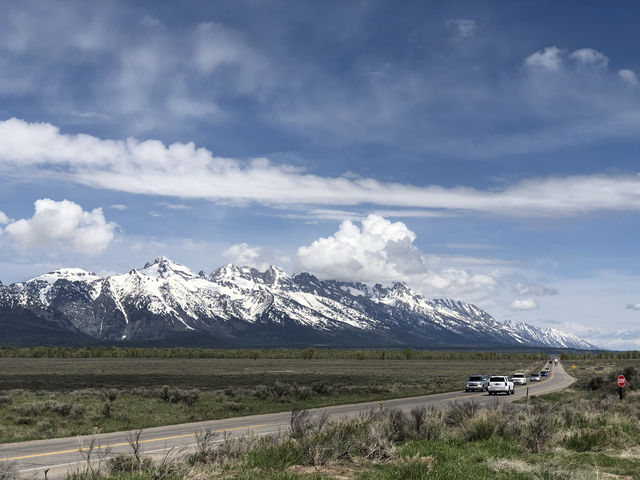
505 384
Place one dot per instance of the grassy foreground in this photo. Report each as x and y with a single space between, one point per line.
54 397
579 434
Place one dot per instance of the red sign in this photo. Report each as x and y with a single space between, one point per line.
621 381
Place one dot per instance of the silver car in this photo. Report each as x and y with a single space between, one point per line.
535 377
477 383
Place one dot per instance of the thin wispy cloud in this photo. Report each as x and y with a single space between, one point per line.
462 27
183 170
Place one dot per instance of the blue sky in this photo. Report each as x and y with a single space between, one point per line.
483 151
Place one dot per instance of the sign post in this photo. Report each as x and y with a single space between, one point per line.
621 383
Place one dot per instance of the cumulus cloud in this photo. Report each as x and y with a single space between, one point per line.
549 58
242 254
462 27
64 224
257 257
628 76
633 306
588 57
524 304
378 251
39 150
3 218
535 289
383 251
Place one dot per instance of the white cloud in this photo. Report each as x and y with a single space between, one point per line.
633 306
3 218
119 206
550 59
535 289
524 304
174 206
62 224
40 150
462 27
258 257
148 21
382 251
368 252
217 47
628 76
242 254
586 57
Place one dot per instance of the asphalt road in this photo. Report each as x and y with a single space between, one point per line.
62 455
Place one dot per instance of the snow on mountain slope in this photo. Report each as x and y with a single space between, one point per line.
551 336
247 306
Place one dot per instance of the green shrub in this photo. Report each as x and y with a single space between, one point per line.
414 468
593 439
176 395
110 394
630 374
87 393
261 392
62 409
164 392
275 456
459 412
29 409
302 392
282 390
484 426
538 433
107 409
573 417
5 400
321 388
128 464
78 410
235 406
592 383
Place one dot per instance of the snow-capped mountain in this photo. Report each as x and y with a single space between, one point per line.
166 302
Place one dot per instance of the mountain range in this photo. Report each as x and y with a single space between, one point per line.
165 303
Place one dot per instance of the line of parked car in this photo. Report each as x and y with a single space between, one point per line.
502 383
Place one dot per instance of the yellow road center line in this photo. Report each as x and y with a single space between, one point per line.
150 440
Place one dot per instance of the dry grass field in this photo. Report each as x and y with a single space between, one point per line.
51 397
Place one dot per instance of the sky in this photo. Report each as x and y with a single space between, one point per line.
480 151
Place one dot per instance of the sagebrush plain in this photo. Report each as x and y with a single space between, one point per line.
55 397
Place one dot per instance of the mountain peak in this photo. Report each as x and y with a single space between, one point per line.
272 275
400 286
164 267
159 261
69 274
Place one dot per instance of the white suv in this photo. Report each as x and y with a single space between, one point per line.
499 384
519 379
